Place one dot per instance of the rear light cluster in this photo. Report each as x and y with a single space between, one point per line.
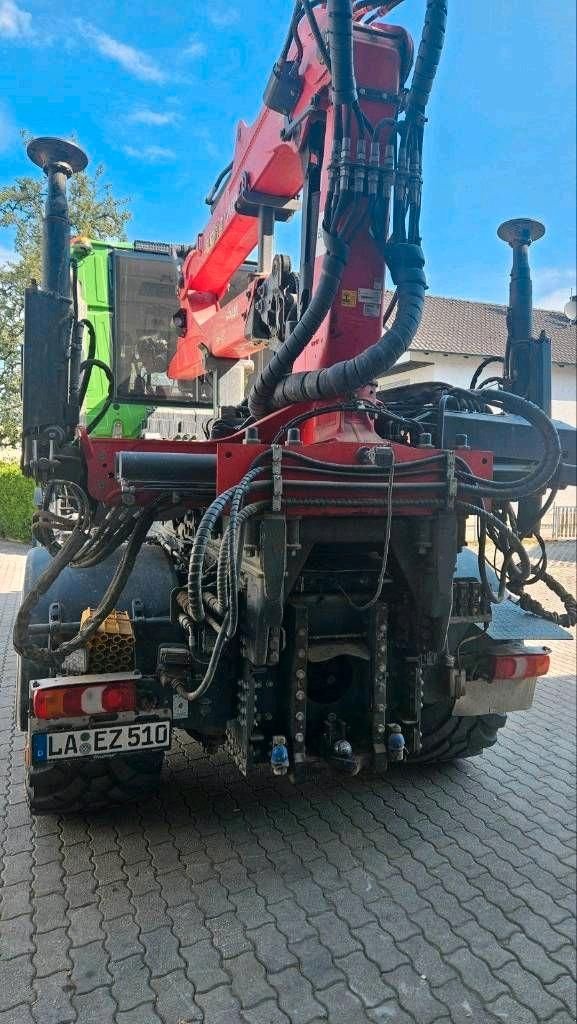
520 666
75 701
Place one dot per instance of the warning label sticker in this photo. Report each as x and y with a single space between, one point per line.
348 297
369 295
372 309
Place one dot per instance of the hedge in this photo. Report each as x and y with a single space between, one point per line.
16 503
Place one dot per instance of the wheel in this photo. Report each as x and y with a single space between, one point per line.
446 737
87 784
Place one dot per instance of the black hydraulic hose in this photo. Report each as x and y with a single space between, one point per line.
545 470
308 8
196 562
261 397
89 359
88 365
117 583
75 542
428 57
482 366
344 86
406 264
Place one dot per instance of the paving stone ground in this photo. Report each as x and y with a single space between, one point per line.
439 895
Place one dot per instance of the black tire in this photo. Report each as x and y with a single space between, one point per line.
89 784
446 738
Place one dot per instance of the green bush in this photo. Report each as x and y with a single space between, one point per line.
16 503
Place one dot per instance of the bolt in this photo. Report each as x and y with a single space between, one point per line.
380 708
380 729
302 652
300 673
299 737
300 716
302 632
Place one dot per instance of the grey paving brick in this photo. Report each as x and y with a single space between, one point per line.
534 958
161 952
48 878
484 944
50 912
21 1014
364 979
80 889
271 948
309 896
149 912
141 878
89 969
14 900
51 954
188 924
130 982
53 999
335 934
564 989
528 990
380 947
291 920
342 1006
426 960
15 937
296 998
219 1006
316 963
15 981
175 998
248 980
96 1007
507 1009
17 867
145 1014
265 1013
567 958
228 935
121 937
203 966
85 925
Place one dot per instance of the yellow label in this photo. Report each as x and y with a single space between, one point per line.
348 297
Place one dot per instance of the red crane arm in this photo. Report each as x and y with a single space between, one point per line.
268 170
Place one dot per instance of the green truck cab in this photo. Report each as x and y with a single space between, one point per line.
127 292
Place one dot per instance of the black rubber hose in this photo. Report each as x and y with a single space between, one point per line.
344 86
428 57
89 359
73 545
261 396
197 555
546 469
405 262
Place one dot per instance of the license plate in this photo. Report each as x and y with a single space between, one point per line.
106 739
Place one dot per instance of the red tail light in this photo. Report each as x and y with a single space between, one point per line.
520 666
75 701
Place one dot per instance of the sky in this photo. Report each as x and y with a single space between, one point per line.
154 91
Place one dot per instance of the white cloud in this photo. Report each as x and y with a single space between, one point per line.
132 60
151 154
552 287
224 18
153 117
15 22
195 48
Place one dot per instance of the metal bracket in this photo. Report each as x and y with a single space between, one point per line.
138 610
451 480
54 621
277 452
379 95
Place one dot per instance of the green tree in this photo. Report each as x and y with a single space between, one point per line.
94 211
